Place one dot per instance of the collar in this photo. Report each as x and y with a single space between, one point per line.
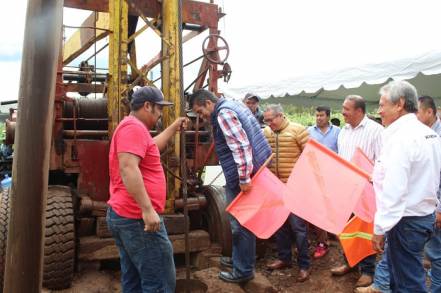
284 125
330 126
399 123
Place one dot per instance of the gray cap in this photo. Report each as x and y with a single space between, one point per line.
251 96
149 94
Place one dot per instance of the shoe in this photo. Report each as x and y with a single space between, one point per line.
278 265
231 278
369 289
342 270
303 275
226 261
364 281
321 250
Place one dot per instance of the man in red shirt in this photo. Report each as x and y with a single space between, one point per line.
138 194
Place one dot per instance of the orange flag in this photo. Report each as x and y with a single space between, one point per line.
324 188
261 210
366 206
356 240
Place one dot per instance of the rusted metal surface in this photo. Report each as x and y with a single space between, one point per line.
194 203
88 205
83 87
42 41
10 131
93 157
194 12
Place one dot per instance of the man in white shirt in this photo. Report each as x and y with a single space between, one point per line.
362 132
406 179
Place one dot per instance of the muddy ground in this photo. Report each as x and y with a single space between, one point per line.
94 278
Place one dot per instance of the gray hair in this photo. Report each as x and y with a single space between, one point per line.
275 108
395 90
359 102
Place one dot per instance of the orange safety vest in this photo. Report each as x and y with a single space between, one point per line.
356 240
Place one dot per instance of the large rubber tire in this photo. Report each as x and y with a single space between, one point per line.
59 245
5 212
59 248
217 218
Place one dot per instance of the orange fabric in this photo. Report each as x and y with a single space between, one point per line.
356 240
261 210
324 188
366 206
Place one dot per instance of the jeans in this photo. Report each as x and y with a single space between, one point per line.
433 253
244 242
405 249
284 241
382 277
146 258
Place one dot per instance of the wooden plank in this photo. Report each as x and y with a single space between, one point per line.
174 224
84 38
94 248
101 228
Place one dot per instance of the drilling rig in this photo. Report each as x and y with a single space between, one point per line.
88 105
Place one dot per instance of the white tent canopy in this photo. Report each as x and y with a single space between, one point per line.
423 71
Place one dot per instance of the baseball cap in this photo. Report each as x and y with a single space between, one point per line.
250 96
149 94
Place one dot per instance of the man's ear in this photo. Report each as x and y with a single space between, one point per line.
401 103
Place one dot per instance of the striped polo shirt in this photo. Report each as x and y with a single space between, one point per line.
366 135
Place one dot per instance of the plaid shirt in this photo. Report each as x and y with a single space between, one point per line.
238 143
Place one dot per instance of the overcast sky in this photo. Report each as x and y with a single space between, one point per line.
271 40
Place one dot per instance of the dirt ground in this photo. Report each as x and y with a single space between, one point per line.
105 278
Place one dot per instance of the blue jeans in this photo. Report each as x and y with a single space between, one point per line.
382 277
146 258
433 252
405 249
244 242
284 241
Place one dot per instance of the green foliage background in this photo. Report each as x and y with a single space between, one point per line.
305 115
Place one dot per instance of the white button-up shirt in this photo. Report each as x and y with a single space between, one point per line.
366 136
406 175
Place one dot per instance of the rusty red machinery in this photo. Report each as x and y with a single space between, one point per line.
83 123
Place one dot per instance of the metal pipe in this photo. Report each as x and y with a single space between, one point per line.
10 102
41 49
83 133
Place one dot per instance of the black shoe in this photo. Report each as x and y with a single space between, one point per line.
230 278
226 261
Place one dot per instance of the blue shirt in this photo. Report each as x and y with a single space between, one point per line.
328 139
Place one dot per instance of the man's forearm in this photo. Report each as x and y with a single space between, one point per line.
134 184
162 138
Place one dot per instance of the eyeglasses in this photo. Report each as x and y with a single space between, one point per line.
270 120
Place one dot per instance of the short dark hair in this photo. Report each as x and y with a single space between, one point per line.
335 121
359 102
325 109
427 102
200 96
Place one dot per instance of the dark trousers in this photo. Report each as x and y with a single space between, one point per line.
284 241
406 241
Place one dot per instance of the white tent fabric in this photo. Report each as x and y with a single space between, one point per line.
424 71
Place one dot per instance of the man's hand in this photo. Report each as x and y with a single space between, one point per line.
180 123
438 220
378 243
245 187
151 220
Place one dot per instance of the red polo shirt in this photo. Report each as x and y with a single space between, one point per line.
132 136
